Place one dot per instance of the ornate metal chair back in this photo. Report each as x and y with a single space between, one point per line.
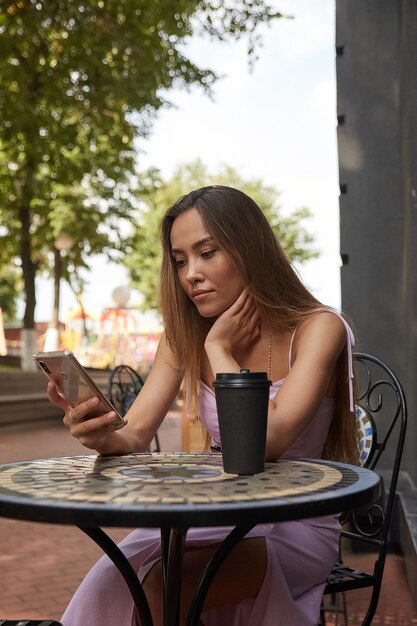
381 411
124 385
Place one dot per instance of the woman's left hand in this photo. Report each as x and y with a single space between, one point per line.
235 328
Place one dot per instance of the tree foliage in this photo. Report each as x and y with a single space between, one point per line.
144 253
79 81
9 285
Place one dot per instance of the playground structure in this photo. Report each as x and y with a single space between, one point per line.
116 336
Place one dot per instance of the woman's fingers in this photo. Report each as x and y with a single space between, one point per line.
91 432
80 414
238 326
243 313
241 304
85 425
56 397
247 312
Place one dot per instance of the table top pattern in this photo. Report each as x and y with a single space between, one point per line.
154 478
141 481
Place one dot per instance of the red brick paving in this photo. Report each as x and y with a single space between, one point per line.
396 606
42 564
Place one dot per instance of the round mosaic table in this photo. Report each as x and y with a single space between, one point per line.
173 492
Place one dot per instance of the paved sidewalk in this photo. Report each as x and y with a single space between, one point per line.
42 564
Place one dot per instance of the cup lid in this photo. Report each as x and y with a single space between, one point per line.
242 378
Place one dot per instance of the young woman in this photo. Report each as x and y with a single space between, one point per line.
231 299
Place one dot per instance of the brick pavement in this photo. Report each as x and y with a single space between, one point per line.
41 564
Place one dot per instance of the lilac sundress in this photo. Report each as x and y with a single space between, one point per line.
300 554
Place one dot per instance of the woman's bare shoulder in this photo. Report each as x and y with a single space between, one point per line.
322 329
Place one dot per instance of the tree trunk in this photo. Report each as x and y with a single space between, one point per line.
29 273
29 346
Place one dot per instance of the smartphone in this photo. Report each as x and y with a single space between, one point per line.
73 381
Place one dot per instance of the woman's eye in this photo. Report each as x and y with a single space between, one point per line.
208 253
179 263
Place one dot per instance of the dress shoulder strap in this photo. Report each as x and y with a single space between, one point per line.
350 339
290 348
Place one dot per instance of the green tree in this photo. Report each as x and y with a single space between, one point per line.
144 253
78 82
9 285
10 282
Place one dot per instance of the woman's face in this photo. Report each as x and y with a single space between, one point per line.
204 270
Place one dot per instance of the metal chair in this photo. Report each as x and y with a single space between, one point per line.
382 414
124 385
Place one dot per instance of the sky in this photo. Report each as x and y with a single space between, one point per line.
276 122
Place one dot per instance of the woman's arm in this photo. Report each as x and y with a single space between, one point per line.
143 418
319 340
318 343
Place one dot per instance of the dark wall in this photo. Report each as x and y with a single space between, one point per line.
376 62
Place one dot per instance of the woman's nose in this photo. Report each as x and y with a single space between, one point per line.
193 271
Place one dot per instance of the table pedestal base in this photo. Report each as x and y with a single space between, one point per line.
172 551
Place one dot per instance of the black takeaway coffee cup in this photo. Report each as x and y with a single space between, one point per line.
242 407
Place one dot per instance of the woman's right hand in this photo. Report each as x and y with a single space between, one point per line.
90 432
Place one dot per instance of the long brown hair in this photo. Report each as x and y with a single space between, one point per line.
241 229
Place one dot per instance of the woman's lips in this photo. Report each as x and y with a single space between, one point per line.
200 294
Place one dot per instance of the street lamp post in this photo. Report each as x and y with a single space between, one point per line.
63 243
